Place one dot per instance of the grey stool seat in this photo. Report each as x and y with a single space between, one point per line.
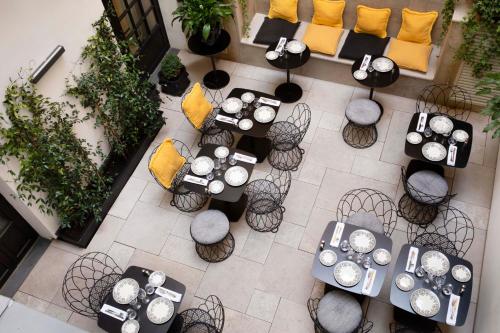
431 184
209 227
339 312
363 112
367 221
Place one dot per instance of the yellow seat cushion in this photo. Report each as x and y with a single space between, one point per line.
284 9
196 106
329 12
410 55
166 162
417 26
322 38
372 21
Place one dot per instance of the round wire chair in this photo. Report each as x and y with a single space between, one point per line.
452 232
207 317
445 99
183 199
369 201
358 135
265 199
286 136
88 281
210 133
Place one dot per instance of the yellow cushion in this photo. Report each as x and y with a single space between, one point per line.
417 26
284 9
410 55
322 38
372 21
196 106
328 12
166 162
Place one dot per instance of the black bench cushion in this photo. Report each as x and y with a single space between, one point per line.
272 29
357 45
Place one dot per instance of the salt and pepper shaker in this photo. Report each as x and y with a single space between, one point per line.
146 272
322 245
462 289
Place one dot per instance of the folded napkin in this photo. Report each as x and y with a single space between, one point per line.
281 45
114 312
411 262
369 281
225 119
422 119
452 155
170 294
366 62
269 101
337 234
453 304
245 158
195 180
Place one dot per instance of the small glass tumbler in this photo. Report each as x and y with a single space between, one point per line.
359 258
438 282
350 255
223 164
239 115
447 289
370 68
142 296
210 176
149 288
135 304
232 160
367 262
429 278
419 272
131 313
427 132
452 141
256 103
344 245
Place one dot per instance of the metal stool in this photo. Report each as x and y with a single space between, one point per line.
362 114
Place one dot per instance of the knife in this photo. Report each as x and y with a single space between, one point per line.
410 264
113 312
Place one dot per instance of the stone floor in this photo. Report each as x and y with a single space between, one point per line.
264 285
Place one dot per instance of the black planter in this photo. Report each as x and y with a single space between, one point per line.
212 37
176 86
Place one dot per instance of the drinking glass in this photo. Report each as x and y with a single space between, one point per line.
131 313
350 255
239 115
232 160
210 176
135 304
142 296
256 103
150 289
429 278
427 132
448 289
367 262
344 245
370 68
223 164
419 272
359 258
217 166
438 282
452 141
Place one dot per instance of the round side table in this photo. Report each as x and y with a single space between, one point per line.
216 78
289 92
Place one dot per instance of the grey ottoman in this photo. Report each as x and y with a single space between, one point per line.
367 221
360 131
427 187
210 232
339 312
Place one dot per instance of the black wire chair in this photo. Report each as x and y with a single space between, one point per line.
210 133
361 136
265 199
369 201
416 328
183 199
415 206
452 232
286 136
208 317
445 99
88 281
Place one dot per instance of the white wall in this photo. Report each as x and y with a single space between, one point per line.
29 31
175 34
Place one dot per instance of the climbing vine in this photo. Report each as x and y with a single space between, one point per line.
246 18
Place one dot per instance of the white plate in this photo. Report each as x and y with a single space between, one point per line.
461 273
434 151
236 176
216 187
405 282
328 258
435 262
248 97
424 302
382 257
295 46
362 241
245 124
383 65
221 152
414 138
232 105
347 273
360 75
125 291
441 124
264 114
157 279
272 55
160 310
131 326
202 166
460 135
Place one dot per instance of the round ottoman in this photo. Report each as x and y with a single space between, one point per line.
367 221
339 312
360 131
427 187
210 232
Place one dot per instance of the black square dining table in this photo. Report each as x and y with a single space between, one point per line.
464 149
401 299
232 200
112 325
325 274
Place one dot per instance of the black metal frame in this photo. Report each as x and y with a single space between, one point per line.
286 136
361 136
445 99
369 201
88 281
401 328
183 199
209 316
216 252
452 232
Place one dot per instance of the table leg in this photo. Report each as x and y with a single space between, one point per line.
216 78
371 93
288 92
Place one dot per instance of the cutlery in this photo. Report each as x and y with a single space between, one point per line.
411 263
371 274
113 312
453 308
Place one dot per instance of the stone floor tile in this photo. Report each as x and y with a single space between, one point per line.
479 215
128 197
374 152
491 152
153 194
331 121
31 301
381 315
263 305
474 184
393 151
183 251
257 246
292 318
182 226
85 323
316 225
299 202
378 170
269 76
237 322
251 84
329 96
121 254
329 150
58 312
289 234
311 173
240 231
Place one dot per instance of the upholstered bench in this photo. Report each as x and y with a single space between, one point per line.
362 115
272 30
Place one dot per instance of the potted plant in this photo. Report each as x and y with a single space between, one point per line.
204 17
173 76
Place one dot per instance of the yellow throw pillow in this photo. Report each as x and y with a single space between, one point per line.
329 12
166 162
410 55
284 9
417 26
196 106
322 38
372 21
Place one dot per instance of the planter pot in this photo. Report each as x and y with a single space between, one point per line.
176 86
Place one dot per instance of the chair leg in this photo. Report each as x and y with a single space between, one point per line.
188 202
286 160
216 252
359 136
415 212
